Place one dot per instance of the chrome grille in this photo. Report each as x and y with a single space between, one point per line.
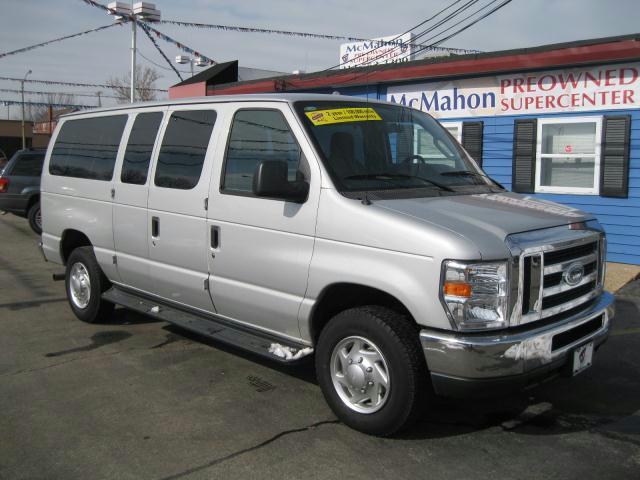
556 278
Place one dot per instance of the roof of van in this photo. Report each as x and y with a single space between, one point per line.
260 97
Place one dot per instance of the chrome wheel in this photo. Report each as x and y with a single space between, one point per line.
360 374
79 285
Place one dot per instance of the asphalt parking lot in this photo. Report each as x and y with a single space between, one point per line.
135 398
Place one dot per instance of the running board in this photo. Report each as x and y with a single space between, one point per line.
212 327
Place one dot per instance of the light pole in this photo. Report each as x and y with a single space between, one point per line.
198 61
138 11
24 141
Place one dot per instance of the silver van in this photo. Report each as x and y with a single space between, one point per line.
359 231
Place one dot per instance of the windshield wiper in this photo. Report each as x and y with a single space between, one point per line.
381 176
469 173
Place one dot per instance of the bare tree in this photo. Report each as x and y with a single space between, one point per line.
145 84
40 113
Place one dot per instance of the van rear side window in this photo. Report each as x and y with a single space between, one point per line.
139 148
183 149
87 148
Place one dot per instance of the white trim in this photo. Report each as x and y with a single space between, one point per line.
457 125
595 190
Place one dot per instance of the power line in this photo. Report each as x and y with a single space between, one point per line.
440 22
44 104
36 92
155 44
322 36
157 64
401 35
37 45
73 84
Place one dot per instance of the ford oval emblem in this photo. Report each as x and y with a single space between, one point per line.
572 276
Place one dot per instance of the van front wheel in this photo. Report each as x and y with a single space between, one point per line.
85 283
371 369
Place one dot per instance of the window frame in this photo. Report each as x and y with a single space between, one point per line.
458 125
595 190
162 132
154 149
223 171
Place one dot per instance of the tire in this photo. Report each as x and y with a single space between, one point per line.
35 218
85 283
390 343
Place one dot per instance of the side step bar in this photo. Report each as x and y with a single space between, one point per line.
211 326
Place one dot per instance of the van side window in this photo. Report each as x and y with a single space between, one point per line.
139 148
257 135
183 148
87 148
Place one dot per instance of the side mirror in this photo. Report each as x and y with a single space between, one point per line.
271 180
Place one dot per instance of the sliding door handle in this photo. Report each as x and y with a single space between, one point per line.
155 227
215 237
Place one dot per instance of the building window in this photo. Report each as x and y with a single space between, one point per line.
454 128
568 155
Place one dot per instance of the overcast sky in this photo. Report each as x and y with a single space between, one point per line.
96 57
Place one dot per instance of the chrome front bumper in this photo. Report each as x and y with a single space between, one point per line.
460 362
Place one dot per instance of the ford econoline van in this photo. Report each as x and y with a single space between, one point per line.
357 231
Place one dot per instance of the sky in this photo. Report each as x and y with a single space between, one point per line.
96 57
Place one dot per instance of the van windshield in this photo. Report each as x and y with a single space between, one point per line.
377 147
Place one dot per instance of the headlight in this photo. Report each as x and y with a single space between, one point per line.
476 294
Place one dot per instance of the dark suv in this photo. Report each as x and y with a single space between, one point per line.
20 186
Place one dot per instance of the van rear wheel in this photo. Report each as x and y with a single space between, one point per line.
371 369
85 283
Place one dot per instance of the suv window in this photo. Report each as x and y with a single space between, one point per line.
139 148
87 148
257 135
183 149
28 165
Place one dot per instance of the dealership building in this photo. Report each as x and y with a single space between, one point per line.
559 122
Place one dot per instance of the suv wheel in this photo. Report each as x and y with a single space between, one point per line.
371 369
85 283
35 218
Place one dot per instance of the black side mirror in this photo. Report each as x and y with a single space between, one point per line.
271 180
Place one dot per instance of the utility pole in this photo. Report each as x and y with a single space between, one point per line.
99 99
123 12
24 141
133 60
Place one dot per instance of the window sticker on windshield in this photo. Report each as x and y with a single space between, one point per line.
341 115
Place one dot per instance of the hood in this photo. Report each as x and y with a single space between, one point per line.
486 219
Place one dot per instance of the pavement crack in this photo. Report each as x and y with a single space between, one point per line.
260 445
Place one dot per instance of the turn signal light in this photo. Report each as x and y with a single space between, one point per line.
4 184
457 289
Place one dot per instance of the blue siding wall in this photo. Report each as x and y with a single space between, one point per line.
619 216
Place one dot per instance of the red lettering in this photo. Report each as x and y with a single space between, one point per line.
550 85
610 76
569 80
550 101
560 97
627 96
574 100
539 102
527 102
504 104
632 77
588 77
504 84
615 97
517 85
530 83
588 98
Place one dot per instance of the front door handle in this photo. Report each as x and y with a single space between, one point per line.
215 237
155 227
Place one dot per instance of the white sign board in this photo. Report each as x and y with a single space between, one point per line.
570 90
393 49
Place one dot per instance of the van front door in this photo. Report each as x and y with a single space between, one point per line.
261 248
176 223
